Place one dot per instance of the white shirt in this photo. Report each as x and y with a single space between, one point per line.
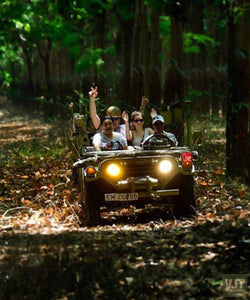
137 140
109 143
121 129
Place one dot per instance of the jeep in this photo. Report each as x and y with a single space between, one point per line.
156 174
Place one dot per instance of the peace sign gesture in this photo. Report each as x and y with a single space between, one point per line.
93 93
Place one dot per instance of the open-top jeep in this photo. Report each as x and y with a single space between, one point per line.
157 174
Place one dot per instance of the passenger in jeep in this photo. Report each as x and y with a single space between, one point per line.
112 111
108 139
159 133
135 132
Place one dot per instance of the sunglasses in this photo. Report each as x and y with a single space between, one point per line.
138 120
158 124
116 118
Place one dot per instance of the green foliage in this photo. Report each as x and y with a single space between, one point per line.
193 41
92 57
124 9
21 26
6 78
27 27
70 38
81 13
34 149
238 107
165 24
192 94
10 61
83 101
222 25
157 4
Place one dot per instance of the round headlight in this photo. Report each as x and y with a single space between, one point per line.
165 166
113 169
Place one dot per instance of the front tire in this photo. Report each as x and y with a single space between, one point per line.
185 204
92 201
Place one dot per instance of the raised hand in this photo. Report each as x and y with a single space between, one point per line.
125 116
92 108
144 102
93 93
153 112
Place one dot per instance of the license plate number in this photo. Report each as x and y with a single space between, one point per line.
121 197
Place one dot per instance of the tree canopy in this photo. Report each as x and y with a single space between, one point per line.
170 51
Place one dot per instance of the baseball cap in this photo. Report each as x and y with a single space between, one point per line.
158 118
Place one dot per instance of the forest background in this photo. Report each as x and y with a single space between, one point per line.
173 52
180 54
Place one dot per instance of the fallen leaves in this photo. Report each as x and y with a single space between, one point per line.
39 185
142 252
208 256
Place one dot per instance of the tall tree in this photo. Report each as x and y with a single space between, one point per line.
237 129
138 54
124 15
174 80
174 85
154 81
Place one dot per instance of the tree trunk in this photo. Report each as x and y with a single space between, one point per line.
45 56
28 60
174 86
237 130
123 46
138 56
154 71
134 51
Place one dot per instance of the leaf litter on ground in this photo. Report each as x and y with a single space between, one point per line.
143 252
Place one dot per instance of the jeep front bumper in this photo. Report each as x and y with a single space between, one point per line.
144 187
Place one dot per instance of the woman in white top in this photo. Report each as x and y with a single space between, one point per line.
137 134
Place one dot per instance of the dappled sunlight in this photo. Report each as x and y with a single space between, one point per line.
44 236
11 133
38 192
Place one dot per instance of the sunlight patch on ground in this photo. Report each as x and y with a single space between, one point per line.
3 113
22 131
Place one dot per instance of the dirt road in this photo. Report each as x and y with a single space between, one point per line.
45 253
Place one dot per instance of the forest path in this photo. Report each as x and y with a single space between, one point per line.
16 126
45 253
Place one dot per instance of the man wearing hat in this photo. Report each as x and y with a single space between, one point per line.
158 126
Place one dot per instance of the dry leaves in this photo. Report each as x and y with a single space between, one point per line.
136 254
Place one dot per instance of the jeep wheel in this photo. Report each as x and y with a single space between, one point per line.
184 204
79 180
92 201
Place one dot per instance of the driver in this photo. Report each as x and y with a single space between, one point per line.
108 139
159 133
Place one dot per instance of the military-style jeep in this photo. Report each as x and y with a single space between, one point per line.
157 174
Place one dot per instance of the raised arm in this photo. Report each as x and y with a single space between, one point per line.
144 102
126 121
92 108
153 113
